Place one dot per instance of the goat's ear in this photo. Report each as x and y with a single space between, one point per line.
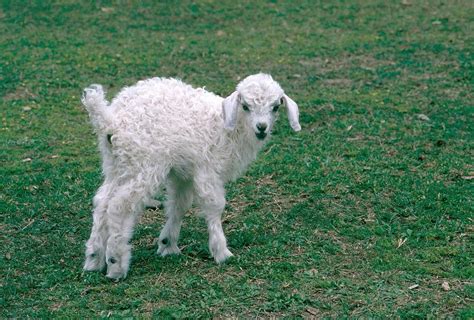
293 113
229 110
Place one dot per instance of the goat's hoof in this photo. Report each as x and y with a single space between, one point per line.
117 266
115 271
94 262
222 256
153 205
116 276
166 250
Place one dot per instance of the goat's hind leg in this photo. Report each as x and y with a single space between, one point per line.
95 246
125 206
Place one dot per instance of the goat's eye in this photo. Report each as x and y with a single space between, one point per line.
275 108
245 107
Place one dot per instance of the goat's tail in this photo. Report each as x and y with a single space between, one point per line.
94 100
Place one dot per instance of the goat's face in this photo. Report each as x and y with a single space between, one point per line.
260 114
256 102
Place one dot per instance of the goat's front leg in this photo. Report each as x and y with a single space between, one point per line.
211 198
180 199
217 240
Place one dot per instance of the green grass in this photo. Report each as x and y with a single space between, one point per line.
340 220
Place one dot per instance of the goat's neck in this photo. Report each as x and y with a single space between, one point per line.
244 149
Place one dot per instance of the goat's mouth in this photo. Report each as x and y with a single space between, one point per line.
261 135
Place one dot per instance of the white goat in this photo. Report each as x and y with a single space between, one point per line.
162 132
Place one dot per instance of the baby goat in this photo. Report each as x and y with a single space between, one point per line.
163 132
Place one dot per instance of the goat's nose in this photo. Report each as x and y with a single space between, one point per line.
261 126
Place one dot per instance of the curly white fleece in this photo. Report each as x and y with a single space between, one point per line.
163 132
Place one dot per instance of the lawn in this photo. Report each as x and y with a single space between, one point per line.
367 212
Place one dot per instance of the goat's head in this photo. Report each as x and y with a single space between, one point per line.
257 100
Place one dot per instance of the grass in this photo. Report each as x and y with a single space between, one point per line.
367 212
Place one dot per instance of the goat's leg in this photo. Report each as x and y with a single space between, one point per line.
95 246
179 200
211 198
217 240
125 206
153 204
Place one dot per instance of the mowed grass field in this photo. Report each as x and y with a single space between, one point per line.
367 212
